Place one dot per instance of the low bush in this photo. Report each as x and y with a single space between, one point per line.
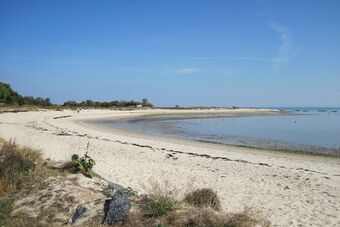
158 205
19 166
205 197
22 168
245 218
206 217
85 163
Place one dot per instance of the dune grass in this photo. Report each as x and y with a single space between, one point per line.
21 167
204 197
163 206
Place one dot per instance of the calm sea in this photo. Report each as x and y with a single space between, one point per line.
307 129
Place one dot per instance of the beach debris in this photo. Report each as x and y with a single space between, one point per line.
65 116
63 134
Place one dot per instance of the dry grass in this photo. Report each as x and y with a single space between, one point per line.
161 199
19 166
22 167
158 205
247 217
206 217
191 216
205 197
166 189
200 208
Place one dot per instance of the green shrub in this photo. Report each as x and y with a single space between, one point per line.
157 206
205 197
85 164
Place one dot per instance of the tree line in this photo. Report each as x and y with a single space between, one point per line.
112 104
10 97
13 98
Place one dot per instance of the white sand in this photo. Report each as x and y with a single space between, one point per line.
290 189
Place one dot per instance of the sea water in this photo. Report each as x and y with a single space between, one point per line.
308 129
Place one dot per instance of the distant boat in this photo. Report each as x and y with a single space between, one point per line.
297 110
322 110
334 111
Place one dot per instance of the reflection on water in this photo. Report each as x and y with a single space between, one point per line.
306 129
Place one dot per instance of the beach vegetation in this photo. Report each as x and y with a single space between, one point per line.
146 103
163 210
131 192
161 199
84 164
111 104
159 205
10 97
204 197
19 166
204 217
24 171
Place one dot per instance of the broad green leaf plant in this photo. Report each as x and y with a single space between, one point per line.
85 163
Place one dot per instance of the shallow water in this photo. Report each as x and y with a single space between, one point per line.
309 129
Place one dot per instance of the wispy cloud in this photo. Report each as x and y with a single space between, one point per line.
287 50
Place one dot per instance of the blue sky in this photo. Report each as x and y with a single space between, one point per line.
216 53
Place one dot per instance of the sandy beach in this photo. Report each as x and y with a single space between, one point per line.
290 189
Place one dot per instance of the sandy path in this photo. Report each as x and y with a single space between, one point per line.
291 189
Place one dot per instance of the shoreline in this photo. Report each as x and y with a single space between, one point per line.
290 189
283 148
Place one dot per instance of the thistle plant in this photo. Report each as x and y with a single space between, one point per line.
85 163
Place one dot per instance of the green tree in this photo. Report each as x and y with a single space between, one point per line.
5 91
146 103
12 100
